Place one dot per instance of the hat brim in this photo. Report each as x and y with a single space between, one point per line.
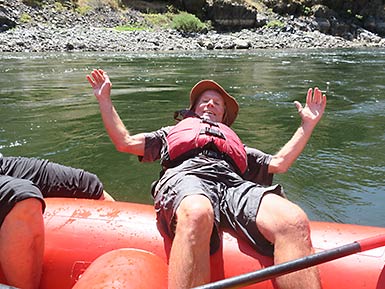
232 106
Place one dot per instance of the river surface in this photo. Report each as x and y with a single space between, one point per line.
48 111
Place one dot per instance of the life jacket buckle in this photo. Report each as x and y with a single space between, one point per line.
213 132
212 154
210 122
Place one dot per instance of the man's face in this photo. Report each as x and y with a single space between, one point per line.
210 105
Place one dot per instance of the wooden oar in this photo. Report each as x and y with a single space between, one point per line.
297 264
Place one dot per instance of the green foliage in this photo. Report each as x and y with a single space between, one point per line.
187 22
171 9
86 5
151 21
131 28
275 24
158 20
359 17
182 21
306 10
25 18
82 10
59 6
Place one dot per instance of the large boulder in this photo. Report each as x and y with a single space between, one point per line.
146 6
7 17
230 15
197 7
224 14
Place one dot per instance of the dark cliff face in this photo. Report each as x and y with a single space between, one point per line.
334 17
361 7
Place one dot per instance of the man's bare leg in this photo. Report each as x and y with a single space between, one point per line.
189 263
288 228
22 244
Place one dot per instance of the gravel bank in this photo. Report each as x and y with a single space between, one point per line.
51 30
44 38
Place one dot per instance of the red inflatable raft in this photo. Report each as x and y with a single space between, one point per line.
130 252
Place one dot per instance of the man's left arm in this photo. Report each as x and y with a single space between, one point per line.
311 114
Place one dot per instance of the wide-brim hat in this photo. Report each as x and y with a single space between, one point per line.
232 106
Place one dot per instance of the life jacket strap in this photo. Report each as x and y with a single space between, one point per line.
213 154
212 131
205 151
184 113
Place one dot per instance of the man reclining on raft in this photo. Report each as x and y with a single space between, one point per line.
210 181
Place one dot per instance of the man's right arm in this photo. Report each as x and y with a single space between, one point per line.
118 133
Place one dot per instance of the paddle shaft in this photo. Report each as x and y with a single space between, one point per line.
297 264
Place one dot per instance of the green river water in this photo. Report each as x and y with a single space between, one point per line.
48 111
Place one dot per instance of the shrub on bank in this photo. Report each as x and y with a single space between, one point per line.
182 21
25 18
187 22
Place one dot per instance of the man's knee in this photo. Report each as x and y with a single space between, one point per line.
278 216
25 214
195 214
296 220
28 208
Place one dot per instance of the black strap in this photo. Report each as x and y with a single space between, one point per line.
184 113
210 122
213 132
208 150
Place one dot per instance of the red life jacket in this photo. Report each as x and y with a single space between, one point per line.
193 135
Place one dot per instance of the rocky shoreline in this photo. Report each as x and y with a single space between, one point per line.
66 32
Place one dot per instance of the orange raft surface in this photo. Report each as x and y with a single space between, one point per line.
124 239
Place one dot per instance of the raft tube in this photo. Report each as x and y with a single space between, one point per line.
80 231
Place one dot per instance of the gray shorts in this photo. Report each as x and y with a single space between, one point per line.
234 200
14 190
23 178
